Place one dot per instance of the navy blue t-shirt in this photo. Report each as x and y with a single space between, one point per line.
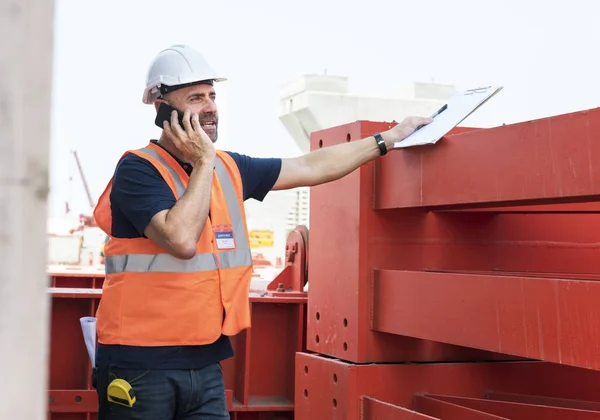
138 193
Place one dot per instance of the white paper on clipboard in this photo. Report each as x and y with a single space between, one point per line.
460 106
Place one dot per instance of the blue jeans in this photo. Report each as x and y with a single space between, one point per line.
165 394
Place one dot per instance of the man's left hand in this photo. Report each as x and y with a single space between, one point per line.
403 130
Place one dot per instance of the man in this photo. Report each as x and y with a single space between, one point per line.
178 263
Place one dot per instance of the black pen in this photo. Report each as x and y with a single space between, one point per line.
435 114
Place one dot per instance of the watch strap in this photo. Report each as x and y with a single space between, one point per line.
380 144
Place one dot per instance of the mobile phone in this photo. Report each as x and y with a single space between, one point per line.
164 114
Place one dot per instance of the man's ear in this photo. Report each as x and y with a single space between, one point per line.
158 101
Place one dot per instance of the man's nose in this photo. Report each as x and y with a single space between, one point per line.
210 107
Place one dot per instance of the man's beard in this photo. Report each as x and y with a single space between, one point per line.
212 133
212 130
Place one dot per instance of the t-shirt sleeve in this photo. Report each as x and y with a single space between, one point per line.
259 175
139 191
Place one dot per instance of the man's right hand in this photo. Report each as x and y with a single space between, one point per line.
191 140
178 229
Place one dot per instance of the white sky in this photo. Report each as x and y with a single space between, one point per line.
546 57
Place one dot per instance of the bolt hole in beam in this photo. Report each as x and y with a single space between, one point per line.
70 401
318 316
348 139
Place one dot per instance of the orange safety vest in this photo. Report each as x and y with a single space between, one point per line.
151 298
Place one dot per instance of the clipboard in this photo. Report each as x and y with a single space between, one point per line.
459 107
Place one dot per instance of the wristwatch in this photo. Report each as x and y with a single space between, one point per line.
381 144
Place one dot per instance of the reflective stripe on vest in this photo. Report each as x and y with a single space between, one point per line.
142 263
178 183
239 257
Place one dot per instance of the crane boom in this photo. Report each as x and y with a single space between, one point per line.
85 184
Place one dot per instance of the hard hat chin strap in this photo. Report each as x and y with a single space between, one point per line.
164 89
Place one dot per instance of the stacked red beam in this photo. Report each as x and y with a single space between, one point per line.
478 258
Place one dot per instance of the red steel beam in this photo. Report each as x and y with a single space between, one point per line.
356 235
537 400
550 160
373 409
331 389
519 411
448 411
72 401
536 318
571 276
593 207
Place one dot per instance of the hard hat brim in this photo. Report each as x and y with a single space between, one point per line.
151 93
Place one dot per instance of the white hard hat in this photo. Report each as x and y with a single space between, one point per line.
177 65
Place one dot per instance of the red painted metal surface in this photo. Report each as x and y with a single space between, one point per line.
294 275
551 160
446 410
259 379
374 239
482 248
548 401
331 389
348 238
518 411
372 409
537 318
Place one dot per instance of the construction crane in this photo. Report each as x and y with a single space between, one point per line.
85 184
84 219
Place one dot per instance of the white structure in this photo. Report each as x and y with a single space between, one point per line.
314 102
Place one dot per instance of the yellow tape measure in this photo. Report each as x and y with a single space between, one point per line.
120 392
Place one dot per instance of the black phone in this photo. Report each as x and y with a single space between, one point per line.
164 114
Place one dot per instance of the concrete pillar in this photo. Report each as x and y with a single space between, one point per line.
26 31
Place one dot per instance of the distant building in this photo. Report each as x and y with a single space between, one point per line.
298 214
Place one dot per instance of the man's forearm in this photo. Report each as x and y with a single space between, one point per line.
185 221
331 163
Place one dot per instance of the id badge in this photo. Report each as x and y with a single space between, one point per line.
225 239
